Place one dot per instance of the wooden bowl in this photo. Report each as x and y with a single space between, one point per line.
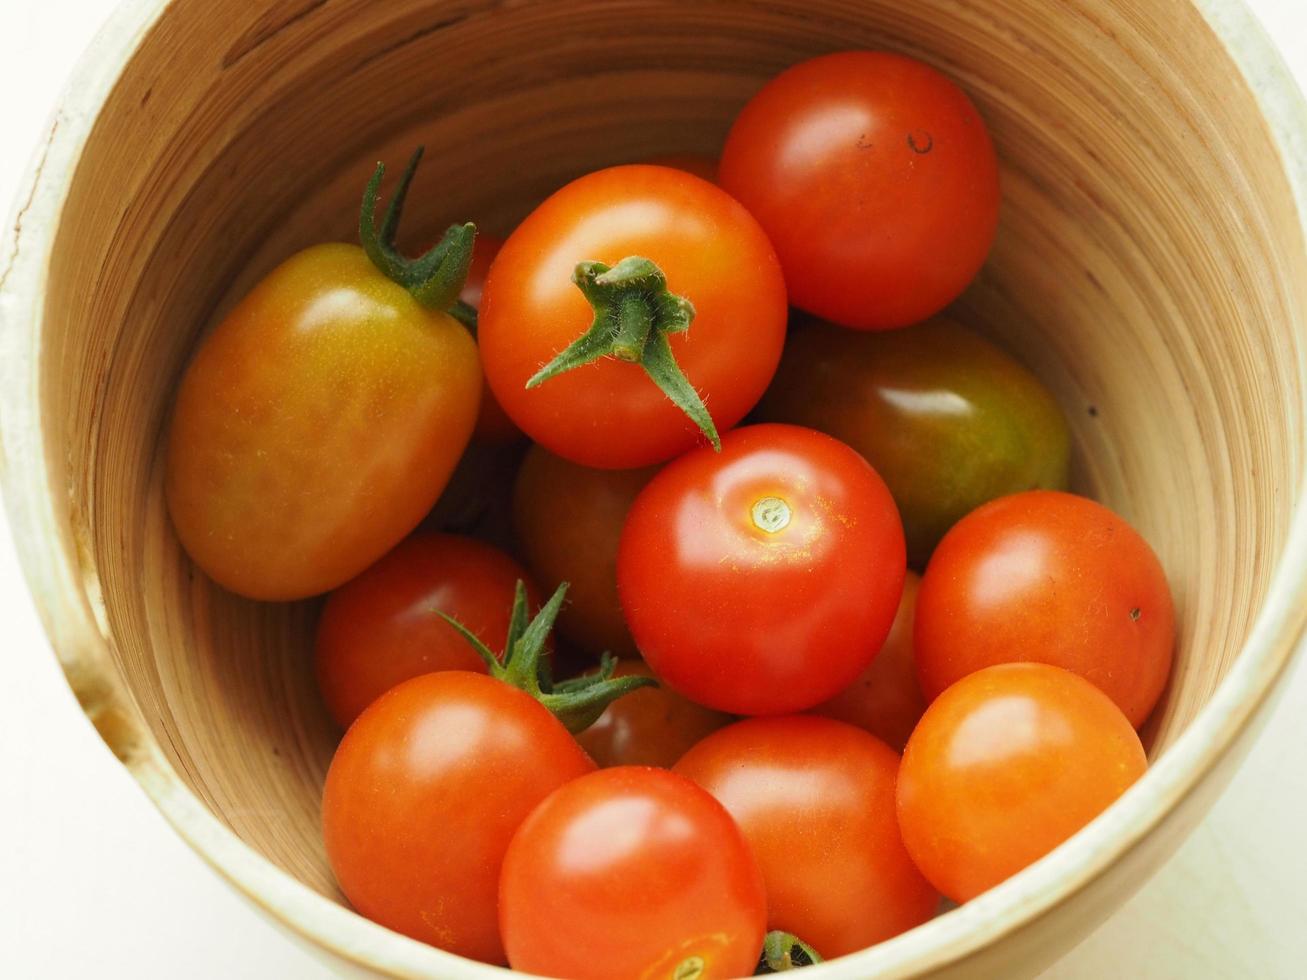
1151 266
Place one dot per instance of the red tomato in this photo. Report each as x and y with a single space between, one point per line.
886 699
609 413
631 872
568 521
762 579
1006 764
875 178
493 423
650 727
384 626
815 800
423 795
320 420
1054 578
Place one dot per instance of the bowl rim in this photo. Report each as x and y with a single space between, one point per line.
66 595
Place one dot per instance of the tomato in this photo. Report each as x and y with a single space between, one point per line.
712 267
762 579
701 166
320 420
631 872
433 778
424 794
886 699
493 423
1053 578
568 521
1005 765
948 419
875 178
383 627
652 727
815 800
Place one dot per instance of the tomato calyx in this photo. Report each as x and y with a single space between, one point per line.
578 702
635 313
783 951
435 278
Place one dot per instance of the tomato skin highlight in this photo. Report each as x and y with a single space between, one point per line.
609 414
875 178
472 756
1005 765
653 726
325 392
762 579
815 800
885 699
949 420
568 522
629 873
383 627
1053 578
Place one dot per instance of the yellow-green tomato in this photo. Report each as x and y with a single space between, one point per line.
947 419
316 426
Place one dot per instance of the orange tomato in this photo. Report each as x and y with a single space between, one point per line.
318 423
1005 765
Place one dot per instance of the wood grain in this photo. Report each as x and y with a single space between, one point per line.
1151 266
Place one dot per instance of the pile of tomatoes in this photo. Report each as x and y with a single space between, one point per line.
792 744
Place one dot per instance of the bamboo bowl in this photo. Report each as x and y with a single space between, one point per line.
1151 266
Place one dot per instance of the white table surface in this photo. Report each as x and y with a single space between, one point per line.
93 881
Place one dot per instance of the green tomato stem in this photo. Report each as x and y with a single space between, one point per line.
434 279
634 313
578 702
783 951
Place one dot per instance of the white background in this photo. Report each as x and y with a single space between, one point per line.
93 882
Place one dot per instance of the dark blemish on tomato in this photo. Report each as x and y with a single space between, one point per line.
921 141
1134 614
1093 411
862 143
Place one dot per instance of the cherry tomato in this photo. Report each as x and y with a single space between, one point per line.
1005 765
762 579
875 178
493 423
609 413
321 419
948 419
1053 578
815 800
423 795
568 521
700 166
631 872
886 699
384 626
654 726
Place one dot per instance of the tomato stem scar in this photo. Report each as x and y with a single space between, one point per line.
771 514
